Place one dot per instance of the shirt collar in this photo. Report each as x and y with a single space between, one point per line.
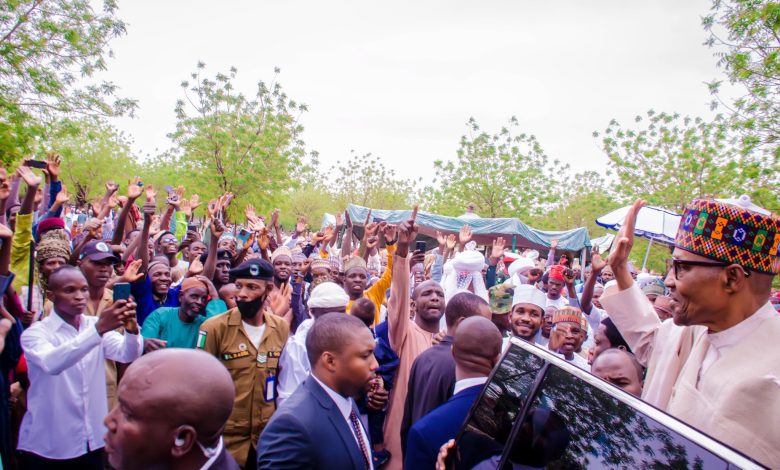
463 384
342 403
60 323
738 332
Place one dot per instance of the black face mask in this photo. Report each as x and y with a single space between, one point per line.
250 309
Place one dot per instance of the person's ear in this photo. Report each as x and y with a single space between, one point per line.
412 305
329 360
183 441
735 278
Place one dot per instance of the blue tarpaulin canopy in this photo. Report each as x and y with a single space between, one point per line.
484 231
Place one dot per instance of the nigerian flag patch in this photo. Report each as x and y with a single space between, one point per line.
201 339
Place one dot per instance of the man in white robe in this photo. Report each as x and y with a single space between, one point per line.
716 366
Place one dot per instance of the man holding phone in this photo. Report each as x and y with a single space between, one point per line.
64 353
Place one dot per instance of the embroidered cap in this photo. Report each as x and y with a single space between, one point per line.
733 231
568 314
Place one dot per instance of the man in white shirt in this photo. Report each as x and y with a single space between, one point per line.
319 427
294 364
65 352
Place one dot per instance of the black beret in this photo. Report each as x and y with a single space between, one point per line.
221 255
259 269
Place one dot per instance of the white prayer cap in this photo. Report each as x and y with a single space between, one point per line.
328 295
468 261
520 266
528 294
531 254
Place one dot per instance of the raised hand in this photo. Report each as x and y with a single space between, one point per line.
554 243
451 241
597 264
368 219
134 189
328 233
249 212
300 227
391 233
184 205
275 218
498 250
113 201
264 240
62 196
407 234
194 202
132 273
465 235
30 179
618 256
94 228
5 232
111 187
212 208
151 195
217 228
196 268
53 162
441 238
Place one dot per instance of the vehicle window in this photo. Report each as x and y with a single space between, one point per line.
573 425
490 422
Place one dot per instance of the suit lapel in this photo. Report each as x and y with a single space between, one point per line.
343 429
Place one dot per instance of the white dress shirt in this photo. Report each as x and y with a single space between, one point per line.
294 364
345 406
67 397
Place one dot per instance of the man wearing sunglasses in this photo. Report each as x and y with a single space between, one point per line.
716 365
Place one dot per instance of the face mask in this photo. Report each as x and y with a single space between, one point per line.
249 309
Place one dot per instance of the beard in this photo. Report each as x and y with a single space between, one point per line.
250 309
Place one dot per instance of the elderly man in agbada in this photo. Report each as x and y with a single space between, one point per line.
717 365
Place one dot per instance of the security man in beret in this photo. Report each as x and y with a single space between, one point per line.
248 340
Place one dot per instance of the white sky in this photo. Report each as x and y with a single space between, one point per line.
400 79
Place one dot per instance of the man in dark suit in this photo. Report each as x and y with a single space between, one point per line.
432 378
173 406
319 427
476 348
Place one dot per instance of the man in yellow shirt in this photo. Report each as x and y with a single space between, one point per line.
356 277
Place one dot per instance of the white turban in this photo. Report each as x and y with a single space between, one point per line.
466 270
328 295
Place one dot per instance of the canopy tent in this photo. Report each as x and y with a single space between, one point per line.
604 243
484 230
657 224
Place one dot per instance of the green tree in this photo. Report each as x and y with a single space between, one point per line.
364 180
93 152
745 34
226 141
669 160
47 50
583 198
505 175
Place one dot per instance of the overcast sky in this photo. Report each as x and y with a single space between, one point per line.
400 79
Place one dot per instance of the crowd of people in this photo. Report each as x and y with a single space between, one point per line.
145 331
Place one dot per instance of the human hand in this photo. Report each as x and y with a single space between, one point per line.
465 235
194 202
377 395
264 240
113 201
151 194
275 218
217 228
498 251
568 276
115 315
111 187
368 219
407 234
328 233
553 243
62 196
300 227
441 239
132 273
28 317
53 162
443 451
438 337
390 232
94 228
451 242
249 212
30 179
371 242
153 344
597 264
134 189
618 256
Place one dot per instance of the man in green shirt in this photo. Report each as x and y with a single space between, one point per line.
177 327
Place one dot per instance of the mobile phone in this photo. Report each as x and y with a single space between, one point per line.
192 228
243 235
168 188
121 291
421 246
35 163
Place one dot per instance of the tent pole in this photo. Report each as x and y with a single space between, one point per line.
583 258
647 254
514 243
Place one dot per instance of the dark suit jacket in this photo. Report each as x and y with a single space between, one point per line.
431 381
308 431
437 427
225 461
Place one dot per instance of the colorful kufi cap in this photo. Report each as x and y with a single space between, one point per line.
500 298
733 231
654 287
528 294
568 314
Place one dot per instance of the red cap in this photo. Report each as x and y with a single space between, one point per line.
556 273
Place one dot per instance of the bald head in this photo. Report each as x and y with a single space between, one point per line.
476 347
169 401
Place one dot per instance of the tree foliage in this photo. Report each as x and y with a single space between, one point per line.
93 153
226 141
505 175
669 160
364 180
47 50
745 36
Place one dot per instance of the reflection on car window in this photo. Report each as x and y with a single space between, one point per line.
574 425
491 422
